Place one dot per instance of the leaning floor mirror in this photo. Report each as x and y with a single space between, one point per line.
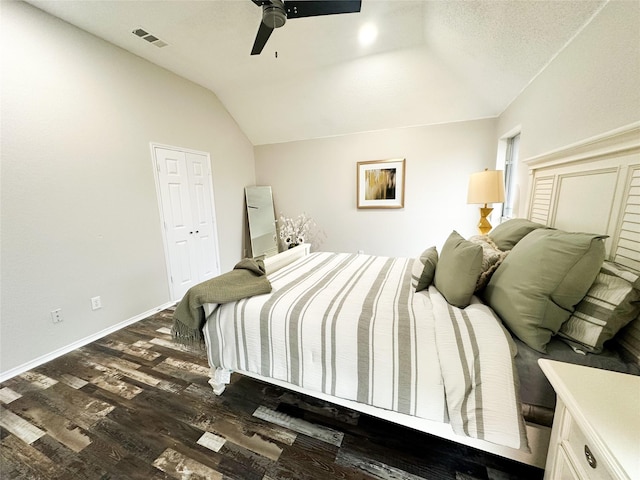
262 221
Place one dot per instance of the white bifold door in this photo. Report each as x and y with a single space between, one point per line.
188 217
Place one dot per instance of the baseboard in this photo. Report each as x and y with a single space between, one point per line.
4 376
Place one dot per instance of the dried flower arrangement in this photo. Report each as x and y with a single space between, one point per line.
294 231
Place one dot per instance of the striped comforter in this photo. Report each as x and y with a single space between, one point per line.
352 326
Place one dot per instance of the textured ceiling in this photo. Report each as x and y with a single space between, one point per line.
433 61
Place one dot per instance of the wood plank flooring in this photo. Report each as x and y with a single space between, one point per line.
134 405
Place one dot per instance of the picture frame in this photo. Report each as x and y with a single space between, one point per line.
380 183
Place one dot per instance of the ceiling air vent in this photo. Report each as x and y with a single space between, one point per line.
149 37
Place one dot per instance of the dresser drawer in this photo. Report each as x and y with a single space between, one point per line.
587 460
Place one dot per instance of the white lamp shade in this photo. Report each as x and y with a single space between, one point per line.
486 187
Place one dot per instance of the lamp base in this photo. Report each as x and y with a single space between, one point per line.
484 226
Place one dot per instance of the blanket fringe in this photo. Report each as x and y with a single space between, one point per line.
192 339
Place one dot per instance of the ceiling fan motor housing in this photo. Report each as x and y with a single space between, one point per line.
274 14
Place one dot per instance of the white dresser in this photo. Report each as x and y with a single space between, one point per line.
596 427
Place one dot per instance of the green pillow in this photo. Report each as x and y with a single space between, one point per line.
459 267
508 234
424 269
611 303
539 283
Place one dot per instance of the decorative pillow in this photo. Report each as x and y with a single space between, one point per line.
424 269
459 267
508 234
492 257
537 286
612 301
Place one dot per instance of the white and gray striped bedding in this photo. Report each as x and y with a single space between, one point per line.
352 326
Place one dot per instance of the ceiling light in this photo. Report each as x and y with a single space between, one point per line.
368 34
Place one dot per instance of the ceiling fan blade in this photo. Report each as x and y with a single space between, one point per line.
314 8
264 32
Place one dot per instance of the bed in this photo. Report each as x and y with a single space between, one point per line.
374 334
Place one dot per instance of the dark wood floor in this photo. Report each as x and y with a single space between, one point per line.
134 405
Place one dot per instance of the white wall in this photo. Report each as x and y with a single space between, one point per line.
591 87
79 210
79 215
318 177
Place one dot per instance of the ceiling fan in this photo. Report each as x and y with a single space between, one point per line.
276 12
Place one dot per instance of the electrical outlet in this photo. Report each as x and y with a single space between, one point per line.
96 303
56 315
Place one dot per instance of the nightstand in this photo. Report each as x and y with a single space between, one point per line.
596 427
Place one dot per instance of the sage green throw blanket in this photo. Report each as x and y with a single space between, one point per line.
248 278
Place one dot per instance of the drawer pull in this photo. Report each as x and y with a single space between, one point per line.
591 460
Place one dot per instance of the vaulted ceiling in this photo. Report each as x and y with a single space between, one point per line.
432 61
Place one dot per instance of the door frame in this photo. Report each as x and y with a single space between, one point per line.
165 242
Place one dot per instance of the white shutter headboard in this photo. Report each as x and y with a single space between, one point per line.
594 186
627 250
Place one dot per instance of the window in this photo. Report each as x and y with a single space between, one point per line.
510 167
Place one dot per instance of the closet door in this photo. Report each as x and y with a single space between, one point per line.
186 204
198 168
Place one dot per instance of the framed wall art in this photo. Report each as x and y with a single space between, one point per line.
380 183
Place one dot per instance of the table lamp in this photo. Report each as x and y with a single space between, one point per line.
486 187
